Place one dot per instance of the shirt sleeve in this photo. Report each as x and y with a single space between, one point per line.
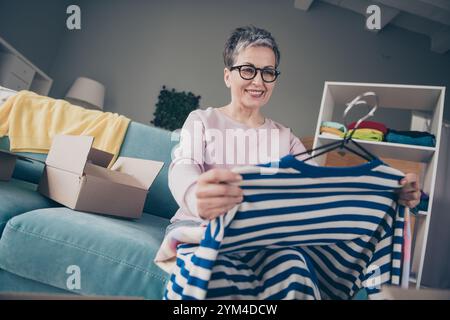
188 164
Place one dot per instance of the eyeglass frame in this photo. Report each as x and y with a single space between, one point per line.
277 73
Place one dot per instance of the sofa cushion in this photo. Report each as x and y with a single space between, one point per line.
153 143
11 283
114 256
17 197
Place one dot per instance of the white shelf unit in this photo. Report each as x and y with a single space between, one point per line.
391 150
18 73
424 105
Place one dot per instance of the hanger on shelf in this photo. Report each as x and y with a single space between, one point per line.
343 144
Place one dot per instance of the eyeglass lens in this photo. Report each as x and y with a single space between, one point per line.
249 72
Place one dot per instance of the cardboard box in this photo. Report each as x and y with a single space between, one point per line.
8 163
77 176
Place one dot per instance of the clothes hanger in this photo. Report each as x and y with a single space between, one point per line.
343 144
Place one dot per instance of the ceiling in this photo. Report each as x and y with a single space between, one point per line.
427 17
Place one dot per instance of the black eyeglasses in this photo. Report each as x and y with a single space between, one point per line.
249 72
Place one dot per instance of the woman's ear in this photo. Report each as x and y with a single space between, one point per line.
226 77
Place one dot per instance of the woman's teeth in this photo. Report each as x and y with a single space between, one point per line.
255 93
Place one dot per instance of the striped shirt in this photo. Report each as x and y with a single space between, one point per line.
301 232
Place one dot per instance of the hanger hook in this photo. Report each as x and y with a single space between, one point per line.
358 101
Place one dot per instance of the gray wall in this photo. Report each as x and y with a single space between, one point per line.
34 28
136 46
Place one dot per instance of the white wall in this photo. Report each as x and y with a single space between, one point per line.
134 47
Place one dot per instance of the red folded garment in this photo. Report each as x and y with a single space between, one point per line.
369 125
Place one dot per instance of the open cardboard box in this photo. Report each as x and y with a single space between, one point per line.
8 163
77 176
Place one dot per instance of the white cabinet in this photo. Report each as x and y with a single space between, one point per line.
11 81
423 108
17 73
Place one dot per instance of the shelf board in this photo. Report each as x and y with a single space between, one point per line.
408 97
390 150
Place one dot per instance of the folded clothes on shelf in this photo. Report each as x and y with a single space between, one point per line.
369 125
329 135
331 132
419 138
366 134
335 125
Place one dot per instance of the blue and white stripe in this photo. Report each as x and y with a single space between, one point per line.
302 232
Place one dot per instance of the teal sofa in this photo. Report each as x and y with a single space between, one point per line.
40 240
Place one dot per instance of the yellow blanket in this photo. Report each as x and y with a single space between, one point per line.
30 121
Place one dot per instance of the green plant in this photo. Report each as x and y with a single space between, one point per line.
173 108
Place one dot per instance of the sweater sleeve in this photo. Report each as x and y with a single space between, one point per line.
188 164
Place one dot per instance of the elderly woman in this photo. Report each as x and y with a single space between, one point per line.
200 177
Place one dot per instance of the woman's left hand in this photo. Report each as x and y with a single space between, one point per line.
409 194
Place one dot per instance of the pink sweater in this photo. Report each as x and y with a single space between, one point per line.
210 139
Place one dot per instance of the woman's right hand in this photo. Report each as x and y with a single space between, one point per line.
215 193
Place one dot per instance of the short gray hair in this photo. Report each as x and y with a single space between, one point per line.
248 36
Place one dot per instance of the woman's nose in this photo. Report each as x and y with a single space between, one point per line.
258 78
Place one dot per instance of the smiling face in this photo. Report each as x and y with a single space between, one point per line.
255 93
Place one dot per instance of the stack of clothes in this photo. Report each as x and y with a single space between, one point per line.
411 137
368 130
376 131
333 129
